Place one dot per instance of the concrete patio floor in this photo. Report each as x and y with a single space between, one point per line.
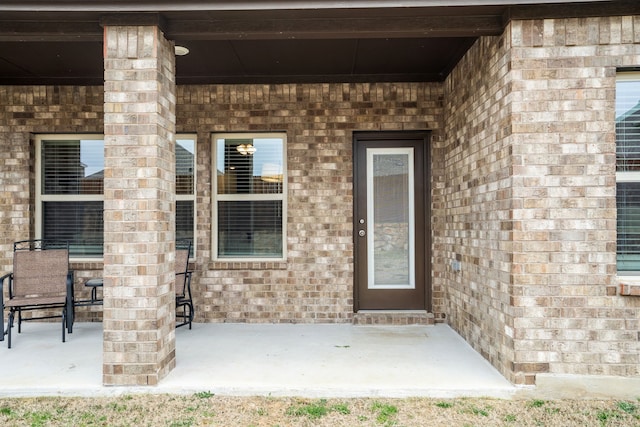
324 360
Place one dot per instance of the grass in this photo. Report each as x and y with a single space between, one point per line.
203 394
444 404
385 413
207 409
510 418
628 407
315 410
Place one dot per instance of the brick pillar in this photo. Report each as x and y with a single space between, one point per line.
139 213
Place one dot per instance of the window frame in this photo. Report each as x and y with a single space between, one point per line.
41 198
625 176
216 198
193 196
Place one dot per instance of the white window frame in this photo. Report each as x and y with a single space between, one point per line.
633 176
41 198
191 197
247 197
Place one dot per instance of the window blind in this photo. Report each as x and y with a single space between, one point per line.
73 167
628 126
250 196
79 223
628 166
250 228
184 219
71 192
185 149
628 224
256 172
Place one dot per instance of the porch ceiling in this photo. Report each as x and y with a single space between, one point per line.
60 42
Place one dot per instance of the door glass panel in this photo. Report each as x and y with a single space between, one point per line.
390 212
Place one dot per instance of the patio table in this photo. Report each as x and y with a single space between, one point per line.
94 284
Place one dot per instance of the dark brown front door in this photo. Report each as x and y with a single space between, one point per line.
391 221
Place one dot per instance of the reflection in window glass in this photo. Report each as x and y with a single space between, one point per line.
185 190
185 166
250 199
628 168
250 165
71 178
72 183
628 125
73 166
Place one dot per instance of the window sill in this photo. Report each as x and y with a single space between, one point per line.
629 286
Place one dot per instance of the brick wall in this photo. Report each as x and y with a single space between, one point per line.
478 201
523 192
27 110
570 318
544 298
316 282
319 120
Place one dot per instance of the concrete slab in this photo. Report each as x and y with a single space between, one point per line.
324 360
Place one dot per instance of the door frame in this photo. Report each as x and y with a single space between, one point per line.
399 136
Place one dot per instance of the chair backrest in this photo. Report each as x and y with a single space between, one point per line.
182 267
40 272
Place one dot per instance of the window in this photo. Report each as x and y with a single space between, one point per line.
250 196
70 197
185 188
628 171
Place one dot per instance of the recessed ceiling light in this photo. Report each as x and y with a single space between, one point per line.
181 50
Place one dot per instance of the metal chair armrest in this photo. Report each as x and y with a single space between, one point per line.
2 280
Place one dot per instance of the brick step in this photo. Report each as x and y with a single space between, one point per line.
393 317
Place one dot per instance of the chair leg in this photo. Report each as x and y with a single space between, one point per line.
184 314
4 332
64 323
19 321
70 316
9 327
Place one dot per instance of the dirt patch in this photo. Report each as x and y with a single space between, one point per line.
205 409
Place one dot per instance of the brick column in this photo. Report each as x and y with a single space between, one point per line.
139 215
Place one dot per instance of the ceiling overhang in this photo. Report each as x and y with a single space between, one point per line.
260 41
253 5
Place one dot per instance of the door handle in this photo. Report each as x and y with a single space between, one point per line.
361 233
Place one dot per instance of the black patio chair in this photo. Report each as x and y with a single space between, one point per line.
184 302
41 280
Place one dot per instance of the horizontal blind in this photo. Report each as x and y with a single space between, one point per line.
628 224
184 219
627 166
250 176
79 223
250 228
71 192
72 167
628 125
250 165
185 149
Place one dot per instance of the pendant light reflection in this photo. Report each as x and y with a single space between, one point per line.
246 149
